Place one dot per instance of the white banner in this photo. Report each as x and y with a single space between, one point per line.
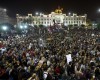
69 58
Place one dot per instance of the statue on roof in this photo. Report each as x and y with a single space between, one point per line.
59 10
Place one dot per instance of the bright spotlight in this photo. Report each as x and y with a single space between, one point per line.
69 13
5 10
40 13
25 26
4 28
99 10
21 27
37 13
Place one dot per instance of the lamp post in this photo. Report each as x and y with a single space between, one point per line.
98 19
69 13
99 10
36 13
4 28
23 28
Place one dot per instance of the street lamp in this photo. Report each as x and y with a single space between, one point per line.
5 10
4 28
25 27
69 13
37 13
99 10
21 27
41 14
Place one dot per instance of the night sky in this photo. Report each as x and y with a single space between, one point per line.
23 7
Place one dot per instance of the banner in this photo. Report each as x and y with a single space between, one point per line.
69 58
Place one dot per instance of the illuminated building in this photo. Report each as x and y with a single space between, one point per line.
4 18
56 17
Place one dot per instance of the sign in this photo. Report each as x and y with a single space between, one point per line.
69 58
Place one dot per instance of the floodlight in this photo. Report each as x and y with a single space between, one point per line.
4 28
25 26
37 13
21 27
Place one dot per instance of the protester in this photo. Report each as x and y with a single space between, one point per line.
42 55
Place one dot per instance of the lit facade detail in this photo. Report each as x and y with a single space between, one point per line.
56 17
4 18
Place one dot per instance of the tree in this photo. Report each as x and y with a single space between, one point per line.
98 26
89 22
70 26
83 26
41 26
75 25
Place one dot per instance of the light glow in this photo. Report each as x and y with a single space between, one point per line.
21 27
99 10
25 26
4 28
37 13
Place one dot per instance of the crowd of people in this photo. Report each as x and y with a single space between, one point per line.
41 55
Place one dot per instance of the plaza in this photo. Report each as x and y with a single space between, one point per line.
40 43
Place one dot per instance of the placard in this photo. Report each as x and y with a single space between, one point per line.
69 58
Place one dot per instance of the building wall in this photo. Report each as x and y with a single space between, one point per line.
4 18
53 18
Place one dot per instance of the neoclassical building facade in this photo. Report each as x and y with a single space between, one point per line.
56 17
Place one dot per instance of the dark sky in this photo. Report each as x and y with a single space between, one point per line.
23 7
